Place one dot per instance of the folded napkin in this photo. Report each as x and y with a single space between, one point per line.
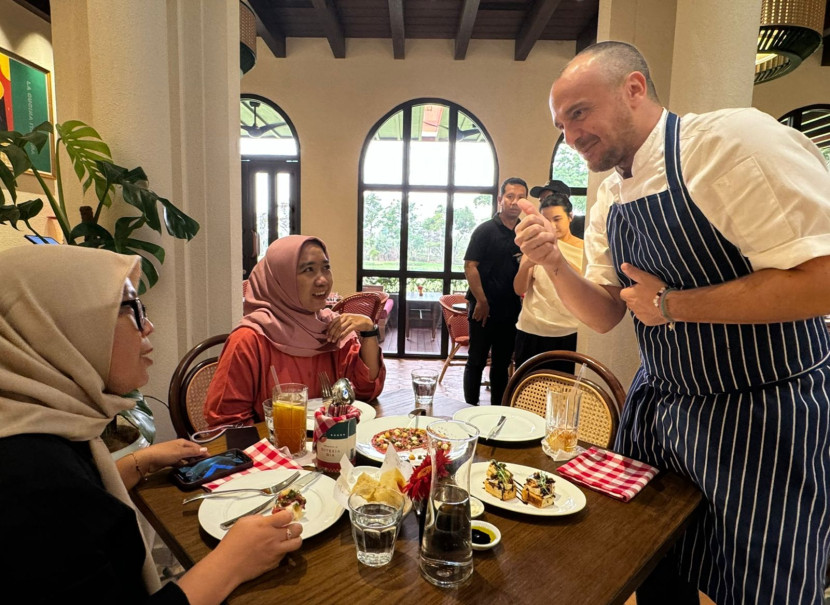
610 473
265 456
323 422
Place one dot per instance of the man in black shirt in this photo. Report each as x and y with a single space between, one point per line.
490 264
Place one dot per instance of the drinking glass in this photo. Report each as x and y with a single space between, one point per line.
289 413
268 413
446 558
562 424
375 527
424 383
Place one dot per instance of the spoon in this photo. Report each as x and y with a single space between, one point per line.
342 393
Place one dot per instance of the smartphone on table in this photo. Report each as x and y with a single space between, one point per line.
210 469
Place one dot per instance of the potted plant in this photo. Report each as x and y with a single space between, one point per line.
93 166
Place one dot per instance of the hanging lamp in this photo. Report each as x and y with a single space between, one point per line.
790 32
247 38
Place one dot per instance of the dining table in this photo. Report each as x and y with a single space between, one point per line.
598 555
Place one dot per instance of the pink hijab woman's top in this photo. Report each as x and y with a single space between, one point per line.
272 304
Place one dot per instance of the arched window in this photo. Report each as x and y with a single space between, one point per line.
427 179
270 177
813 121
567 166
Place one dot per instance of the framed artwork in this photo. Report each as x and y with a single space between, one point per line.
26 101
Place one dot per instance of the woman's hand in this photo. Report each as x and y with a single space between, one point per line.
178 452
253 546
347 323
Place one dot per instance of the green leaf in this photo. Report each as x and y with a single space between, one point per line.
18 158
178 224
154 249
9 214
8 180
141 416
30 208
148 274
145 200
84 147
126 225
96 234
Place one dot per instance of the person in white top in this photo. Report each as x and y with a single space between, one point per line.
544 322
713 232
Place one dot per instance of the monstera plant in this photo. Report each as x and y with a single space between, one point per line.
93 166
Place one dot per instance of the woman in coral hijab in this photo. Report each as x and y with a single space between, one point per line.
73 339
287 326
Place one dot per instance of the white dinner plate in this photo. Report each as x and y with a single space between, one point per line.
320 513
519 424
367 412
367 430
568 498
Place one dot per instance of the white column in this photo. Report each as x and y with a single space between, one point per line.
160 82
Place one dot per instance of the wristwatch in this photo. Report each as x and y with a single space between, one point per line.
375 331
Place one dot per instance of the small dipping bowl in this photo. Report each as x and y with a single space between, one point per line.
476 507
485 535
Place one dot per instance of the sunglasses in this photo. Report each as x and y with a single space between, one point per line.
139 312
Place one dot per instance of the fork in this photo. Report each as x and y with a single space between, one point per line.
325 385
264 491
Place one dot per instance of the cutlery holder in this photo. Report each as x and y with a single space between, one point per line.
335 437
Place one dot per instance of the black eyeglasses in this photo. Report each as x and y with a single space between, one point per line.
139 311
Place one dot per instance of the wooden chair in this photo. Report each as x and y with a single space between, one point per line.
189 387
457 326
599 412
369 304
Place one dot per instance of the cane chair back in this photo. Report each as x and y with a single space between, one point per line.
369 304
457 326
189 387
599 412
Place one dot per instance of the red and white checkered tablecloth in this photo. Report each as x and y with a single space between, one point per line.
265 456
610 473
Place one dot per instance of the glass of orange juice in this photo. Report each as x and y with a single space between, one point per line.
289 412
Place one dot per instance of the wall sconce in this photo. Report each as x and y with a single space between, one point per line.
790 32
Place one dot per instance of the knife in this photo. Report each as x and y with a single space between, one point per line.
299 484
497 428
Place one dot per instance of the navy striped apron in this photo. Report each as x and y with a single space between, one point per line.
741 410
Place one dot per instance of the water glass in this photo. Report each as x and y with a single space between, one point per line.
268 413
562 424
446 558
424 383
289 414
375 528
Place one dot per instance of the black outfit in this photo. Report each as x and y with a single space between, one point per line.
529 345
64 537
498 256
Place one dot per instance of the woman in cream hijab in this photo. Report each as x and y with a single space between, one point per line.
73 338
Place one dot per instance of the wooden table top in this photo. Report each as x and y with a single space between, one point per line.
598 555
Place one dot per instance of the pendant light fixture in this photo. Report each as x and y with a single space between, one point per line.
790 32
247 37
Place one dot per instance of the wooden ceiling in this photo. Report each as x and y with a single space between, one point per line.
524 21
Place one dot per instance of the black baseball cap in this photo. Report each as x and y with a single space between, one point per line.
553 186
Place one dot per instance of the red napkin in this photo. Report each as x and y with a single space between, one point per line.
265 456
323 422
610 473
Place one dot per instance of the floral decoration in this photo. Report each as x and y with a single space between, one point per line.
417 487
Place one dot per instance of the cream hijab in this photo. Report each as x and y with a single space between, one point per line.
58 309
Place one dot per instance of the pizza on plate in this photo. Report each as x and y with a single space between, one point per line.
403 439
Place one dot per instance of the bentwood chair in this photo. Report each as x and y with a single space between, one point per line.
189 387
599 412
457 326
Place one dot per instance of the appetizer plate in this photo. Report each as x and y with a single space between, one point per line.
320 513
367 430
569 498
519 425
367 412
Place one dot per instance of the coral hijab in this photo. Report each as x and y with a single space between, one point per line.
58 310
272 304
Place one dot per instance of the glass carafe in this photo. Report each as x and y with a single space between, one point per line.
446 546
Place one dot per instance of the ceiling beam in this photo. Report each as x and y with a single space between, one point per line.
271 32
533 27
332 26
396 27
465 28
